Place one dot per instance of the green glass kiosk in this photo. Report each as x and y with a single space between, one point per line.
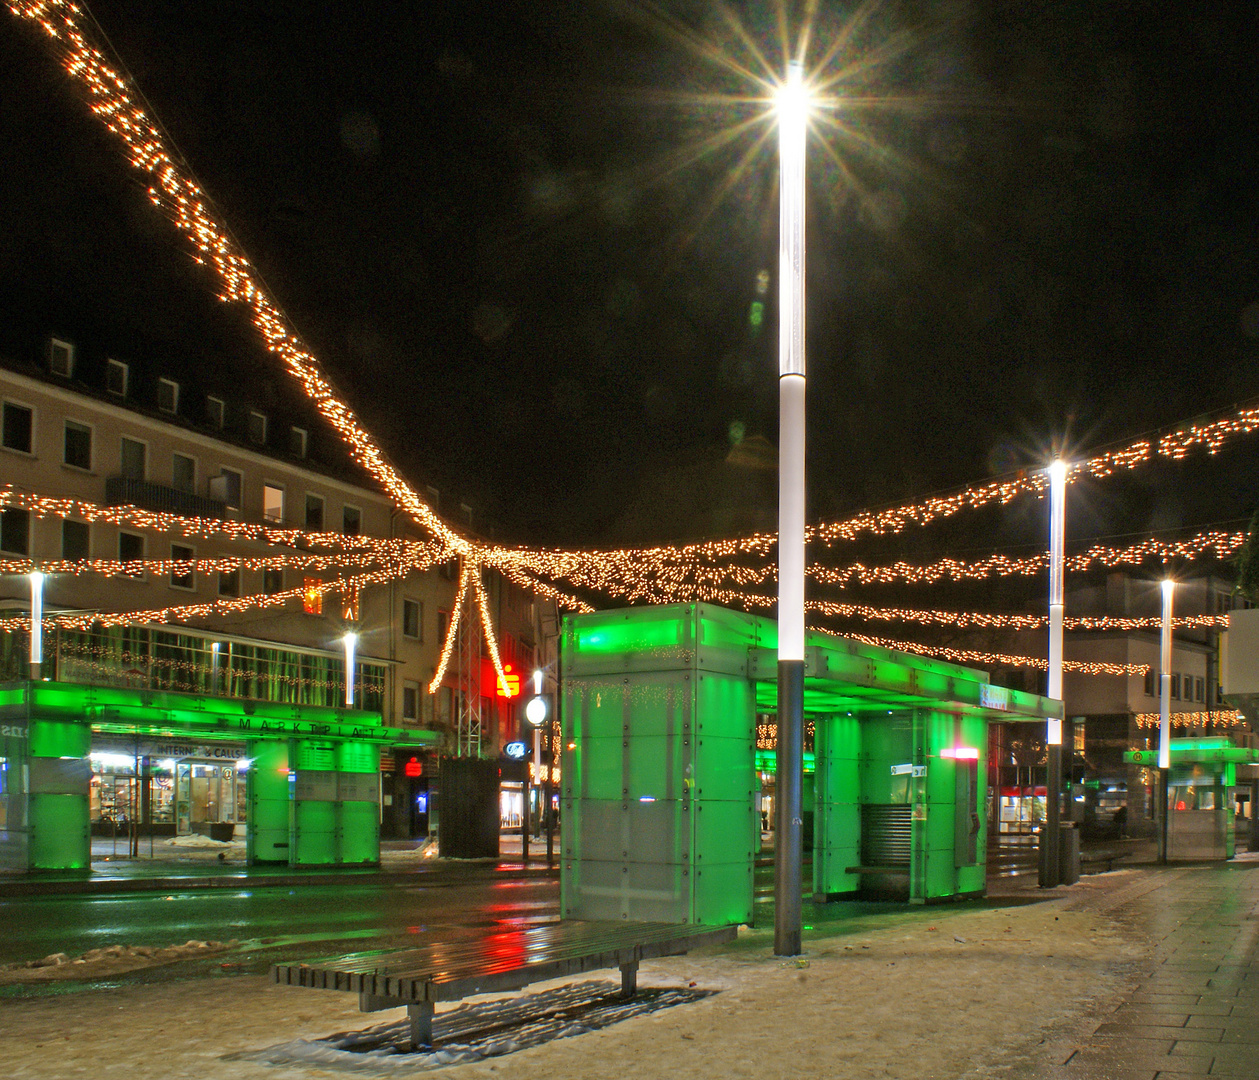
659 713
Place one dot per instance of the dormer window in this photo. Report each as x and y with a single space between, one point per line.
61 358
216 412
167 395
257 427
116 376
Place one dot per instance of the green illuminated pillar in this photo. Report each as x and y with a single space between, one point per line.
358 803
313 818
267 828
837 820
60 775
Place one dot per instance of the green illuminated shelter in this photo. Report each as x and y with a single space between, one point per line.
314 781
659 722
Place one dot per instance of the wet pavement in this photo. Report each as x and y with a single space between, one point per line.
1192 1005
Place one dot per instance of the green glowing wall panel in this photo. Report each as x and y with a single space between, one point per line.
837 822
659 722
267 826
313 839
14 853
59 832
60 739
358 835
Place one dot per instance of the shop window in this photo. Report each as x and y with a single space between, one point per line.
314 513
75 539
131 550
182 577
412 619
18 427
229 582
184 474
132 459
15 531
78 445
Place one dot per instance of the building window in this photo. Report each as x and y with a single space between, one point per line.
297 442
167 395
132 459
1175 687
272 581
257 427
19 427
182 577
314 513
1150 677
78 445
443 621
183 474
116 376
130 550
75 539
412 618
61 358
216 412
351 521
312 596
273 503
15 531
226 487
1200 690
410 700
229 582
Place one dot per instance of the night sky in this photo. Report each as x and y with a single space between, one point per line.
519 239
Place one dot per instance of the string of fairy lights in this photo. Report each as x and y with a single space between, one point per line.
711 570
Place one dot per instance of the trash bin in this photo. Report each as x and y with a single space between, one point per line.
1067 868
1069 854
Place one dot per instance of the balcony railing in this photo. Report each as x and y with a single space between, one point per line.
124 491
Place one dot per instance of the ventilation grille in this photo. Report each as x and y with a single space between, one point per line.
885 832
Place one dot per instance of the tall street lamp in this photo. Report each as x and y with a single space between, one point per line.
1050 860
793 115
1165 716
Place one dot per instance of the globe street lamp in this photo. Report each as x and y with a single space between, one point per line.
793 115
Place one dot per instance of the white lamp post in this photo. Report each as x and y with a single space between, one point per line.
1165 715
1050 869
351 645
793 117
37 623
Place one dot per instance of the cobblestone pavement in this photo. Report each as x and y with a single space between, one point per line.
1192 1005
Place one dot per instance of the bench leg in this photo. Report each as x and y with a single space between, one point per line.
421 1016
629 979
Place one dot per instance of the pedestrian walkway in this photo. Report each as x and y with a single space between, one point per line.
1192 1007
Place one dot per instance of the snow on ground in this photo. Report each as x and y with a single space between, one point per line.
910 994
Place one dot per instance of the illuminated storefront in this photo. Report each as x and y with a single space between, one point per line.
302 782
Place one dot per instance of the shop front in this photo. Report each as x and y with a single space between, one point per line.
300 783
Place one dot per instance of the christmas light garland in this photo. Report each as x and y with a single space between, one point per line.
994 659
1220 717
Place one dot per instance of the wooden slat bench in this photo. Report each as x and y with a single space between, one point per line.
442 970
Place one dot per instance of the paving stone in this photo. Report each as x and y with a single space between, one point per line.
1180 1034
1103 1060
